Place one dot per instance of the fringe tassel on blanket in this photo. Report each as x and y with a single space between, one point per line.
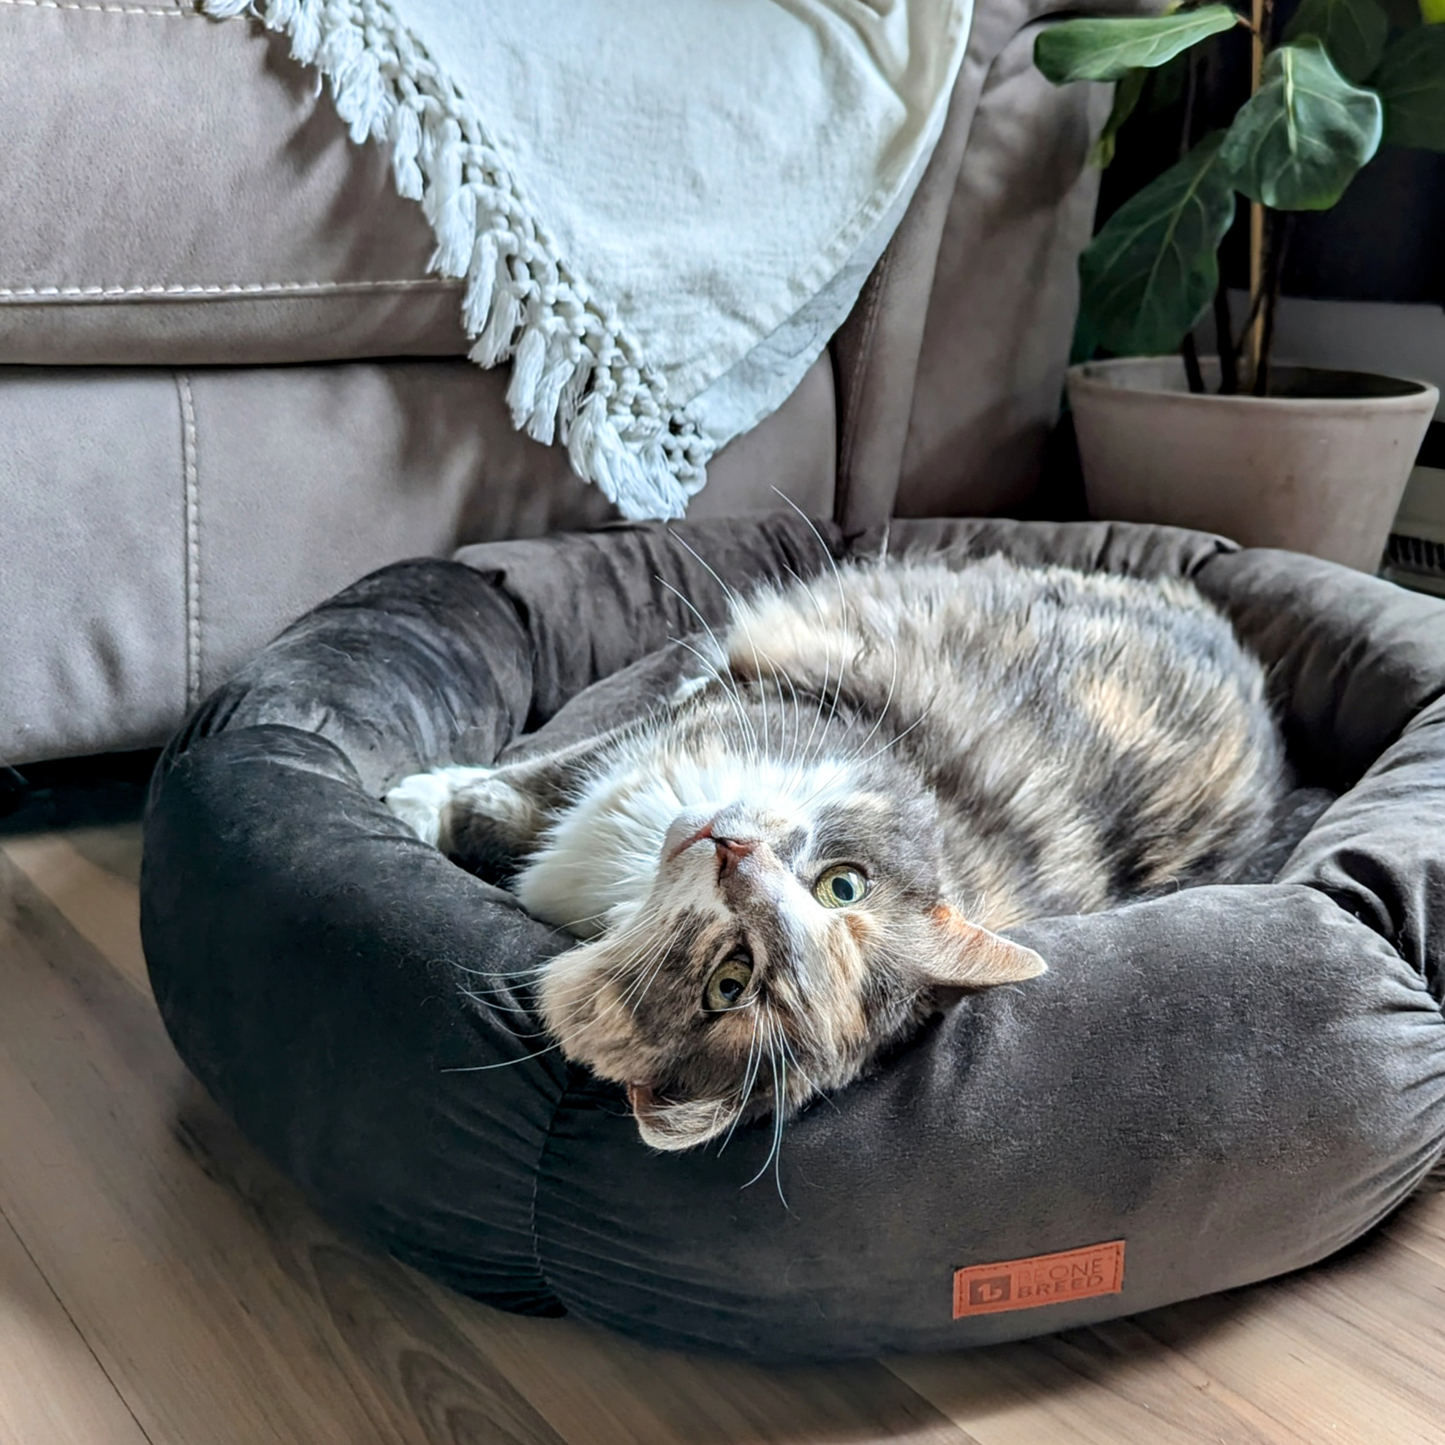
577 375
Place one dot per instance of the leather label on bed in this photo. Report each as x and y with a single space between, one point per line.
1042 1279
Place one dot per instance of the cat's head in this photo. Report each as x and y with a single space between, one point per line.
793 928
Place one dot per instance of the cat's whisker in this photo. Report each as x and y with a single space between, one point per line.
716 666
657 962
807 587
780 1114
903 733
759 654
789 752
883 711
843 624
807 1078
501 1064
734 695
484 995
768 1158
622 974
735 602
780 1079
535 972
745 1089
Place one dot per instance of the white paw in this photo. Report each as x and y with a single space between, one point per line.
487 791
420 800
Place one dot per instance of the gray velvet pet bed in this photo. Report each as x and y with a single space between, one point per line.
1232 1081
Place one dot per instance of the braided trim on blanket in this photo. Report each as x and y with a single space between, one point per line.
577 374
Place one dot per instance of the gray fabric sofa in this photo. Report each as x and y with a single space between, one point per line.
228 386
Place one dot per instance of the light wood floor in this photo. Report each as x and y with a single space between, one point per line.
159 1282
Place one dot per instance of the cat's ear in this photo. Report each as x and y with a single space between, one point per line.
967 956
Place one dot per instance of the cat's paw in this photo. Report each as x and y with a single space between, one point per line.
421 800
488 792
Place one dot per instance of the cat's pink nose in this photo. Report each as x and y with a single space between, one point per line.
731 852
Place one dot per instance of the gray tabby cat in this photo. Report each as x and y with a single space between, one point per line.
813 848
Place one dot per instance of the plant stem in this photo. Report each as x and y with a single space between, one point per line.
1254 337
1251 316
1281 228
1261 13
1187 348
1224 341
1190 352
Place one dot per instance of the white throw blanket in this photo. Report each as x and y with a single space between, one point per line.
662 209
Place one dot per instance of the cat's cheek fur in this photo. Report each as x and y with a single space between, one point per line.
582 1008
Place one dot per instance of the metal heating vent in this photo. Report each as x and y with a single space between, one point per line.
1415 553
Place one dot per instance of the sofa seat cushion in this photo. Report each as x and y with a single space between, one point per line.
162 523
175 191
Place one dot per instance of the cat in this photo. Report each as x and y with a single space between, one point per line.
819 842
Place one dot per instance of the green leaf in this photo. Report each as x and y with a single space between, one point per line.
1108 49
1126 97
1297 143
1411 82
1432 12
1353 31
1151 273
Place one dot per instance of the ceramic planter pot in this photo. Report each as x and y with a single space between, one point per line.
1318 466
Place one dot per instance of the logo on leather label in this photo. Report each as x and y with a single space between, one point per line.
1042 1279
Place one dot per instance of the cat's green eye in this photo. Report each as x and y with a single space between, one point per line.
727 985
841 886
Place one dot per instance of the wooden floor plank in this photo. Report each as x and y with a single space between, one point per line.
116 848
52 1389
598 1389
1114 1385
100 905
1348 1351
586 1383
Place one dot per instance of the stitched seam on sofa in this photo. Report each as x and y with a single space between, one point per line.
222 291
173 13
191 491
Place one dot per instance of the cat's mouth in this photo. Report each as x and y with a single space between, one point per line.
650 1100
644 1099
668 1119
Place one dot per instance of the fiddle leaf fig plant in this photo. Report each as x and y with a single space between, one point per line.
1321 99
